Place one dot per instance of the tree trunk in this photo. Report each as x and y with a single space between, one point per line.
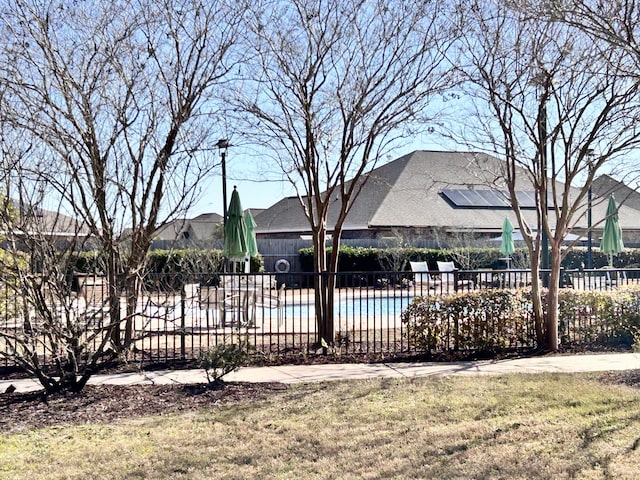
536 301
132 290
552 299
114 300
320 285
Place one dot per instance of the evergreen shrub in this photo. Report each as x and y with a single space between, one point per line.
495 320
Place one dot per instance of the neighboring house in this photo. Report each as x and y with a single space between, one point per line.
59 226
199 232
427 197
34 225
203 231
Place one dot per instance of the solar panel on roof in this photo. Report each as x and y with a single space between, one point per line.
455 197
491 199
494 197
526 199
477 199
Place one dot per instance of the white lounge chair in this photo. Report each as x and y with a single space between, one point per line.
422 277
614 277
211 300
447 272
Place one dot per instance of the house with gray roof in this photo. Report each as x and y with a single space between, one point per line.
197 232
426 196
203 231
604 186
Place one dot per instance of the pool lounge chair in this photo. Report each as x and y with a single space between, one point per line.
422 277
448 276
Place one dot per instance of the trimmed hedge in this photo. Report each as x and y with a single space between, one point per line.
480 320
599 318
370 259
491 321
176 262
577 258
168 270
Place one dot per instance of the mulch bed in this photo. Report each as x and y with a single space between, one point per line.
109 403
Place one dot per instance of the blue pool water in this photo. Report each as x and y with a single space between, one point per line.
378 307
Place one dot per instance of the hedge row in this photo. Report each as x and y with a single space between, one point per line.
177 262
371 259
491 321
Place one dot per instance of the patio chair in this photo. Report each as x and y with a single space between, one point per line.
94 290
421 274
614 277
233 302
268 301
447 272
211 300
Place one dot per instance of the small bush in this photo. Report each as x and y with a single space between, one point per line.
483 321
223 359
599 318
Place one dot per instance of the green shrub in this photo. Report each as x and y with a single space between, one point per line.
605 318
11 265
223 359
168 270
186 262
370 259
482 320
494 320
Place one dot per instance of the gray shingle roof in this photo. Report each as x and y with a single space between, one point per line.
604 185
406 192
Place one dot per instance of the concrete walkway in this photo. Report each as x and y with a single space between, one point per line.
319 373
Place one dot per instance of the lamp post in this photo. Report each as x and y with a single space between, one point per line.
544 167
590 154
222 145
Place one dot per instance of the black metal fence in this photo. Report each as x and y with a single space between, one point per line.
177 318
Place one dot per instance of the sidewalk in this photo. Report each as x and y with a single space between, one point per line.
318 373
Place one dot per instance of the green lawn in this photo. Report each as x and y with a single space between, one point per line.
545 426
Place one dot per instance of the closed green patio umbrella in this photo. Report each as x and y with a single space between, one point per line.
235 233
611 243
506 246
250 228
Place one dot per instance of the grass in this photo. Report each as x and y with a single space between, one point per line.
548 426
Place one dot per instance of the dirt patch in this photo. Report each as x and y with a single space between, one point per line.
630 378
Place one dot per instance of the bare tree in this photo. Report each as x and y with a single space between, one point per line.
614 22
115 103
545 97
333 85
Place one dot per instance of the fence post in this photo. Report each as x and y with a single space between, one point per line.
183 294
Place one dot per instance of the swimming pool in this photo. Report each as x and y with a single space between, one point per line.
356 307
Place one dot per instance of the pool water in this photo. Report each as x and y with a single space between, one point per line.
378 307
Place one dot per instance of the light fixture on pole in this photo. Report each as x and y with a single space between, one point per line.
222 145
590 154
